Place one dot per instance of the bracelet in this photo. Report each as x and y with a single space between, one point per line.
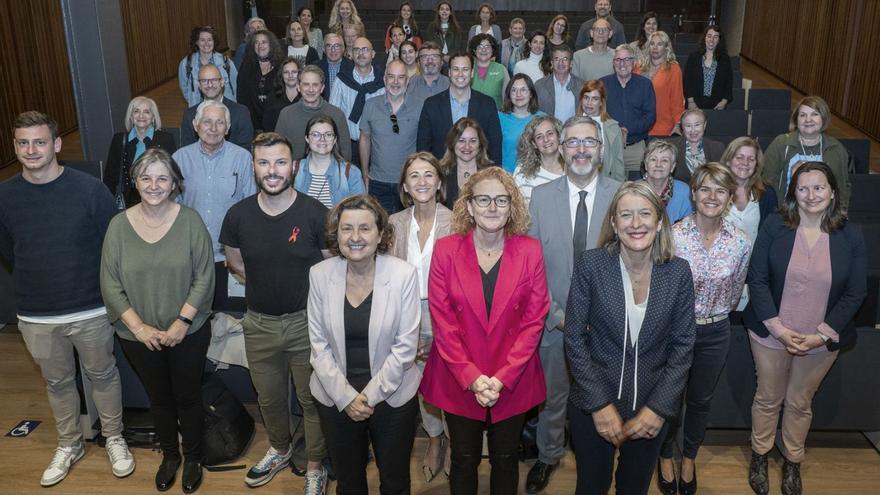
185 319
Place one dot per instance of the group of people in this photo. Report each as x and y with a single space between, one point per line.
460 249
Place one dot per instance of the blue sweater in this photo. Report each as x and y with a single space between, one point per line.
633 107
52 235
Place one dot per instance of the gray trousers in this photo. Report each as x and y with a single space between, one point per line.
278 349
52 347
551 418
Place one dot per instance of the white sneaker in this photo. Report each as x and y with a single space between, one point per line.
316 482
121 459
263 471
62 460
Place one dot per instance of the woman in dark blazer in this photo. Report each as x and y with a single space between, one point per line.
487 291
629 337
807 281
142 132
709 62
694 149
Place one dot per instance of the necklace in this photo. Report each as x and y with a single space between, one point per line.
162 221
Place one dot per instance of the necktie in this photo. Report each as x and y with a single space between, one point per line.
581 220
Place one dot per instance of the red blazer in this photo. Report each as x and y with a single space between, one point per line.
467 343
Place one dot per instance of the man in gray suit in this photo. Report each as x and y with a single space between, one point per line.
558 91
585 194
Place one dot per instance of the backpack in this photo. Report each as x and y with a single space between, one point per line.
228 428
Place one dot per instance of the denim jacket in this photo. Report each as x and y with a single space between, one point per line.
340 186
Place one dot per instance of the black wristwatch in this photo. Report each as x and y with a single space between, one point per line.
185 320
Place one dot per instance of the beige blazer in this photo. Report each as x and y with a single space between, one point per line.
402 220
393 338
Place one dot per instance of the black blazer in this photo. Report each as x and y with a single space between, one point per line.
711 148
120 160
594 333
722 87
241 129
250 93
769 264
436 121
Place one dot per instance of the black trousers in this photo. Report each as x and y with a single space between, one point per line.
710 354
595 459
222 301
466 442
172 378
391 430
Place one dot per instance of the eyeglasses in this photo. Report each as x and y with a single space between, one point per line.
429 56
626 60
519 90
360 49
587 142
484 46
322 136
210 82
394 126
484 200
334 46
601 30
561 59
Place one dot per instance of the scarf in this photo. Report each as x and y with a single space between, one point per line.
376 84
141 146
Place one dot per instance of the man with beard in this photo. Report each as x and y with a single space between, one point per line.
217 176
586 194
429 81
240 128
389 126
271 240
353 88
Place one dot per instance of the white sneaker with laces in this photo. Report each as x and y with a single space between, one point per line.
121 459
263 471
316 482
62 460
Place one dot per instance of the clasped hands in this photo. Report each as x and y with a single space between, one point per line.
799 344
486 390
359 409
610 426
154 339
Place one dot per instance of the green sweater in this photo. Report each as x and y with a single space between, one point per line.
157 279
785 146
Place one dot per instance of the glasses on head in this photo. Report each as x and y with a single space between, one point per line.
587 142
624 60
484 200
394 126
210 82
322 136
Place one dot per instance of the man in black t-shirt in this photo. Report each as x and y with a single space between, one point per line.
272 239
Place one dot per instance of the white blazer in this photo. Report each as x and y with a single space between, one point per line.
393 338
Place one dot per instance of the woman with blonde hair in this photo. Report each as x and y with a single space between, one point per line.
664 72
342 14
538 157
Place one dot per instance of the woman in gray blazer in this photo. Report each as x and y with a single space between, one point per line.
364 317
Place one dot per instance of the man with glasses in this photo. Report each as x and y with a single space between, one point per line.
354 87
603 11
333 61
240 129
389 126
218 175
444 109
557 91
631 102
293 119
586 194
595 61
430 81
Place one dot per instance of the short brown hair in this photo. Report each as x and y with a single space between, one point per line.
719 174
454 135
663 249
359 202
33 118
267 139
158 155
440 196
817 104
517 223
833 218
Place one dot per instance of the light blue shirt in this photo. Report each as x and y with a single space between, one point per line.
511 129
213 183
565 100
459 110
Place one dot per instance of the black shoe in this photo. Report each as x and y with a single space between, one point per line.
167 471
688 487
791 478
758 479
539 476
192 476
666 487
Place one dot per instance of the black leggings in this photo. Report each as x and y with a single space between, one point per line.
466 441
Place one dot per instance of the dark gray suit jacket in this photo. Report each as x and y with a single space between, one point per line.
546 90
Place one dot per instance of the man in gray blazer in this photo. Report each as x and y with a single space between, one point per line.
558 91
585 194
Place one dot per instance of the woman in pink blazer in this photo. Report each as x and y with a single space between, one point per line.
487 291
364 329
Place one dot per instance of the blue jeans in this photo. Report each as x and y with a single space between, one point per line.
387 196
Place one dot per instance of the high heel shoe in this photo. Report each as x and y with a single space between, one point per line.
688 487
666 487
431 472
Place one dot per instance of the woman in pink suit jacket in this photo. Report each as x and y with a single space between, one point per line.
487 291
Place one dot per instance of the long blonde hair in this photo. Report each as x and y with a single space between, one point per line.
663 248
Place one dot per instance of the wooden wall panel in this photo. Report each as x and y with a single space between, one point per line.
157 36
821 47
34 68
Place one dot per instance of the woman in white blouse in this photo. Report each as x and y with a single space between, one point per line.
416 228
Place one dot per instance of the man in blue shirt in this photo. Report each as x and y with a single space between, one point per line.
631 102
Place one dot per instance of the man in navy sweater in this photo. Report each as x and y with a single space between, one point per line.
52 225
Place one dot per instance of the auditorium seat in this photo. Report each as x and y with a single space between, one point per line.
767 124
769 99
864 201
727 122
739 99
860 151
95 168
175 133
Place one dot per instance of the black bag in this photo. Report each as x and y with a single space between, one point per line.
229 428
